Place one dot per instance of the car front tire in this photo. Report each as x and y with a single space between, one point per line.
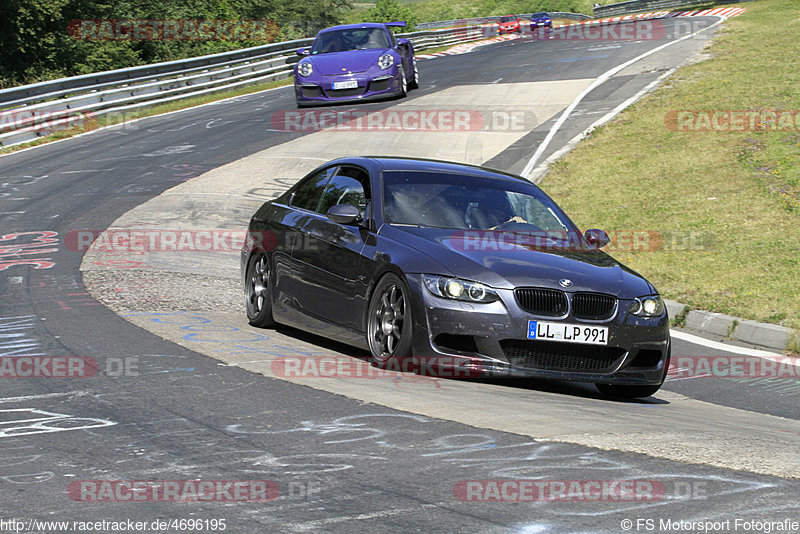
403 83
414 83
389 323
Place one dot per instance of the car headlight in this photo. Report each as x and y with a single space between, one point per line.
457 289
305 69
385 61
649 306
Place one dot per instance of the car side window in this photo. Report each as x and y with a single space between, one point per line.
350 185
309 191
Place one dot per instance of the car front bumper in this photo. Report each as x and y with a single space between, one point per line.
320 89
491 340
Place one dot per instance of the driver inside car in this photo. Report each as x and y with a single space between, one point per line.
335 43
490 214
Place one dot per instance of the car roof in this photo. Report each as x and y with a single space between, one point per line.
391 163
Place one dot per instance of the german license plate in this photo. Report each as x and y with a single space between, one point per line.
349 84
569 333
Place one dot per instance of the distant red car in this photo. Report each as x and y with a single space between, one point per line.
509 24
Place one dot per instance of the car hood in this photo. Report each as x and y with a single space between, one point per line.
347 62
513 263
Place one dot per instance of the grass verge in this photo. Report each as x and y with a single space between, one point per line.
726 202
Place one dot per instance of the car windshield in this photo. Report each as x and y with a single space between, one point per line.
350 39
540 16
458 201
507 19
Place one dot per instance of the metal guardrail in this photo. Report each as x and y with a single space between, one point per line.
489 20
640 6
31 111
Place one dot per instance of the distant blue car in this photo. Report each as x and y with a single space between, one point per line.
355 62
541 20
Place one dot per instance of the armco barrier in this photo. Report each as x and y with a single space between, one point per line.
30 111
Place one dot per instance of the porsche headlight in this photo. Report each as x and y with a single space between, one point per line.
649 306
457 289
305 69
385 61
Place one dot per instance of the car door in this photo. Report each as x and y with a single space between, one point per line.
303 201
328 254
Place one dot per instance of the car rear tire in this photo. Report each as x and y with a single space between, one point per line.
389 324
635 392
258 292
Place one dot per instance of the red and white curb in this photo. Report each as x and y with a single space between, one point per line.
469 47
724 12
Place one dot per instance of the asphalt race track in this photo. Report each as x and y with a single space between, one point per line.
184 390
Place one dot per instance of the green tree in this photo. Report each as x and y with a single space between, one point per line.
307 17
36 43
31 34
390 11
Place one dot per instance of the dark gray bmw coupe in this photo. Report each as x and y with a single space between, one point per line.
429 259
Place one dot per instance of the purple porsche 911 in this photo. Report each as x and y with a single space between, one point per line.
355 62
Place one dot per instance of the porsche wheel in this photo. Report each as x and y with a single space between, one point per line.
403 83
414 83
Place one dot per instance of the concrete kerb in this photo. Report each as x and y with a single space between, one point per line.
766 335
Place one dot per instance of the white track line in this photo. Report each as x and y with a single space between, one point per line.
599 81
679 334
539 172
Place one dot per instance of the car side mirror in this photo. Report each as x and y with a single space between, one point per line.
302 51
344 214
596 238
